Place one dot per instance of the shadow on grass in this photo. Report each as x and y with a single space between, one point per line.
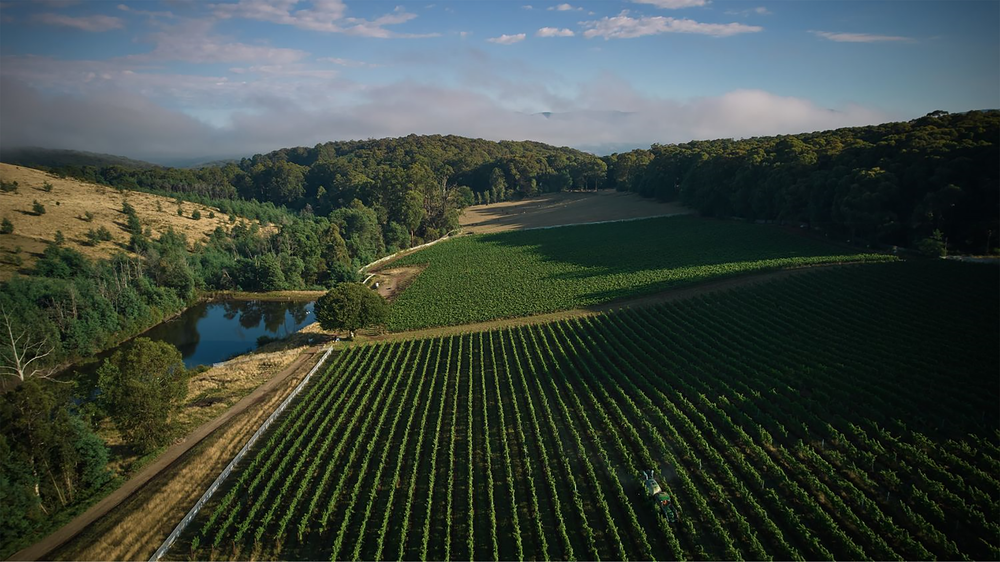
656 244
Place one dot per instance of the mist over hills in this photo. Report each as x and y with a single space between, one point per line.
34 156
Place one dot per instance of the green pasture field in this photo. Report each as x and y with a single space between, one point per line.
485 277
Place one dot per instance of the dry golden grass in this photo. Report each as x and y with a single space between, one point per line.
214 391
66 205
137 527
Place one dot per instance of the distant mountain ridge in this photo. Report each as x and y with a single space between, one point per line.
35 157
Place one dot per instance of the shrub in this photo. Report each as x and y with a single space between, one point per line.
134 226
211 215
196 215
266 339
180 211
95 237
47 187
88 217
8 186
37 208
60 239
6 227
935 246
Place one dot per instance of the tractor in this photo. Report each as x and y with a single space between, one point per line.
661 500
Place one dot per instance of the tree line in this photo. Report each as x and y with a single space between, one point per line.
379 173
895 183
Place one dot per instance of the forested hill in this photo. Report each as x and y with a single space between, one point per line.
33 157
525 167
376 172
895 183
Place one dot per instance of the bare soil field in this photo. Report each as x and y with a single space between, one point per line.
554 209
65 207
393 281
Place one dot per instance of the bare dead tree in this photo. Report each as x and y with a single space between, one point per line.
19 351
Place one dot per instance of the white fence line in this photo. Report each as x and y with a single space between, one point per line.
232 464
447 236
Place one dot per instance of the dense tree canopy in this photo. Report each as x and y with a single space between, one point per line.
141 385
351 306
894 183
49 457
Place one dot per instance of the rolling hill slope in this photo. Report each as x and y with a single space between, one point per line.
66 205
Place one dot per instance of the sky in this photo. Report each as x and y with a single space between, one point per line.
201 80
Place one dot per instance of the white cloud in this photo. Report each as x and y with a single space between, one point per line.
759 11
673 4
319 18
112 122
858 37
624 27
527 7
275 110
554 32
464 34
96 23
151 14
564 8
191 41
287 71
507 39
375 28
254 87
324 15
349 63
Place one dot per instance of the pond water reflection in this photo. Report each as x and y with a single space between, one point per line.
212 332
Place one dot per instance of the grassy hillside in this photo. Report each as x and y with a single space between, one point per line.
845 414
483 277
66 205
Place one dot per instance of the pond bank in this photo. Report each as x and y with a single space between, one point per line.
275 296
